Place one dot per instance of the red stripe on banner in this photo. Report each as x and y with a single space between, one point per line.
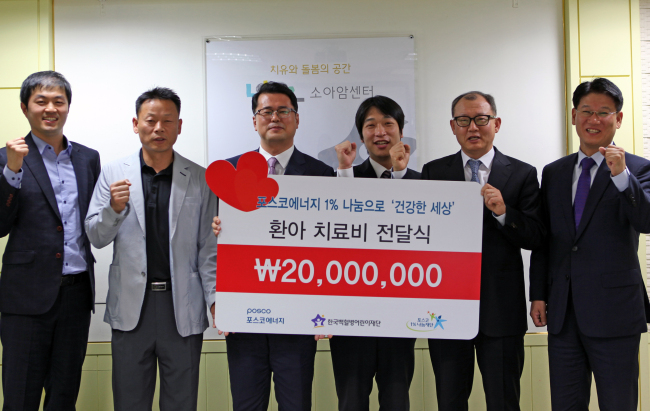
352 272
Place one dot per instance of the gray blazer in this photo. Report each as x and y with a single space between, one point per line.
193 246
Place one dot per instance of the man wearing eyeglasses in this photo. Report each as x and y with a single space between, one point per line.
253 357
511 222
594 203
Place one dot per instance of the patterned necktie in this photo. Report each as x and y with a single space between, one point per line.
271 161
582 191
385 174
474 165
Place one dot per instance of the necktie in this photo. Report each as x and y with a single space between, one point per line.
386 174
271 161
582 191
473 165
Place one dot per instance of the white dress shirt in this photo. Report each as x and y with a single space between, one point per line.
483 174
379 170
283 159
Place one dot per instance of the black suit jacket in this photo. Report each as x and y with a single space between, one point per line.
503 298
31 271
300 164
598 261
365 170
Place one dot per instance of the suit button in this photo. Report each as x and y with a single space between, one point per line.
513 225
574 248
59 228
58 255
567 276
143 274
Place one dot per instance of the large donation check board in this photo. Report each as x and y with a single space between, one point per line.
353 256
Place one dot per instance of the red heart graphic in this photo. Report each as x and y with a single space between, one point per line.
241 188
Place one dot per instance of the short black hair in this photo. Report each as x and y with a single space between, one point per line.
387 106
599 86
274 87
473 95
158 93
46 80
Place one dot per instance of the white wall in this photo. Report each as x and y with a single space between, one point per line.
112 53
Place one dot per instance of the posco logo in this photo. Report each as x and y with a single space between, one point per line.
258 311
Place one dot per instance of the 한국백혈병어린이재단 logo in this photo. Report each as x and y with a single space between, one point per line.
319 321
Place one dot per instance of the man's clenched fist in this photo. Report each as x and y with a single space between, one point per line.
346 152
120 195
16 150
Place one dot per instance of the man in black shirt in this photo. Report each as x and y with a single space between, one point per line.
157 208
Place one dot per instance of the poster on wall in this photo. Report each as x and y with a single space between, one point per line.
330 78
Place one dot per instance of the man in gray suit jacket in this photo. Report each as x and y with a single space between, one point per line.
156 207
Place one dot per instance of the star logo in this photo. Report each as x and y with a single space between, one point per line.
318 319
439 322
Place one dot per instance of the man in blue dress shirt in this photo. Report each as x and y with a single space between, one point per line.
47 282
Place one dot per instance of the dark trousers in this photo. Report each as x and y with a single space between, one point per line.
46 351
253 357
500 359
357 360
155 344
573 357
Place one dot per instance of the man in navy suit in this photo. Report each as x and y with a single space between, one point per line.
47 282
253 357
511 222
356 360
587 275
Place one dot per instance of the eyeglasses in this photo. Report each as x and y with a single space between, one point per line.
282 112
600 114
464 121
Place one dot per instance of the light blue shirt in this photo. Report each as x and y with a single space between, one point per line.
484 170
64 182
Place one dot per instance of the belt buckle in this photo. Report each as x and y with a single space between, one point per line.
161 286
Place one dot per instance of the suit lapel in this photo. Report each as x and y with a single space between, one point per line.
366 170
79 164
456 171
34 162
132 171
296 165
180 180
598 187
565 191
500 171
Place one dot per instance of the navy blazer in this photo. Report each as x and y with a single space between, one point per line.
300 164
503 296
31 270
365 170
598 261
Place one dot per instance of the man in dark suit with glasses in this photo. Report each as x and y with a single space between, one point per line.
511 222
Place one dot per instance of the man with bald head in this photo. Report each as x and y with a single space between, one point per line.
511 222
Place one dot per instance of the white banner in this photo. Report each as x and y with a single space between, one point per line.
330 77
346 256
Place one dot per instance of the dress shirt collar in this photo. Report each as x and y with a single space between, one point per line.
42 145
597 157
283 158
486 160
379 169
